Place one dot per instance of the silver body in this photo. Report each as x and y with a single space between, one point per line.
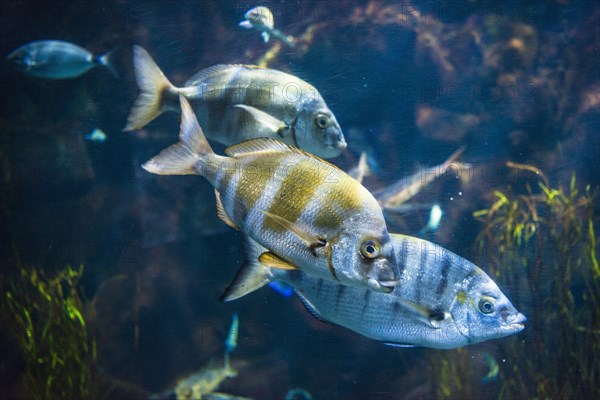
285 97
430 276
53 59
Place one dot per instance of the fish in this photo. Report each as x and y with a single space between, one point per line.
202 384
231 341
261 19
297 394
308 213
362 169
442 300
493 368
96 135
435 217
57 59
403 190
235 103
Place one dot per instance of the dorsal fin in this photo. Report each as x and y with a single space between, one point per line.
268 145
206 73
260 145
222 214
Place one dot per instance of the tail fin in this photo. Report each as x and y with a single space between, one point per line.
153 84
181 158
251 276
107 61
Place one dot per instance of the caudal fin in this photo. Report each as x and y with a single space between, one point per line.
153 86
181 158
107 61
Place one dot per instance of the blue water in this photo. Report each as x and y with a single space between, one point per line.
409 82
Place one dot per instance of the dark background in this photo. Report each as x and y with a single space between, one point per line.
510 80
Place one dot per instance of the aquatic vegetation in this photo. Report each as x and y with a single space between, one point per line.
46 316
546 247
543 246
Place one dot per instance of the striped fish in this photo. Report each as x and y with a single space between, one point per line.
309 214
235 103
441 301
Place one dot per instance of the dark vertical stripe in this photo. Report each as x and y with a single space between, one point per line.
422 266
401 259
319 285
446 265
340 292
470 278
366 299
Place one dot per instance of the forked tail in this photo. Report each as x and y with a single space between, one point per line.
153 87
181 158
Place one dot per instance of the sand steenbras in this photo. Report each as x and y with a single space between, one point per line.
308 213
441 301
239 102
56 59
261 19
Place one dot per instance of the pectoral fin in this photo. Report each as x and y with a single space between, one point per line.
274 261
311 241
265 119
430 316
265 36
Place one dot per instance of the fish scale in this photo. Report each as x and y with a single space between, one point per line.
298 186
240 102
446 316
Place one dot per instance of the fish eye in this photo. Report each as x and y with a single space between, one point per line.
322 121
370 249
486 305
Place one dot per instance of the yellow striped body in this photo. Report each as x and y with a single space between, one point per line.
308 213
314 195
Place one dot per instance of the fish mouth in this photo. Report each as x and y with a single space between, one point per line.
340 145
517 323
382 286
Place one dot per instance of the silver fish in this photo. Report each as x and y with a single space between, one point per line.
309 214
56 59
261 19
396 194
441 301
240 102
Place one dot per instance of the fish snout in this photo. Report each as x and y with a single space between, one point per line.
335 138
513 318
382 277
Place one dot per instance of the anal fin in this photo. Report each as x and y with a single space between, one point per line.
312 310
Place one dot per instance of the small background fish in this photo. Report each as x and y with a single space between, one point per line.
56 59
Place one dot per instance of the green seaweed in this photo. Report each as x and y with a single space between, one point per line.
46 317
546 253
542 248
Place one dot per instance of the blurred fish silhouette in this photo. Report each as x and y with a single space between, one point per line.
56 59
403 190
261 19
493 366
204 383
96 135
435 217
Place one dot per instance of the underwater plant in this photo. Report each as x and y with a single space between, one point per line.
543 246
45 314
